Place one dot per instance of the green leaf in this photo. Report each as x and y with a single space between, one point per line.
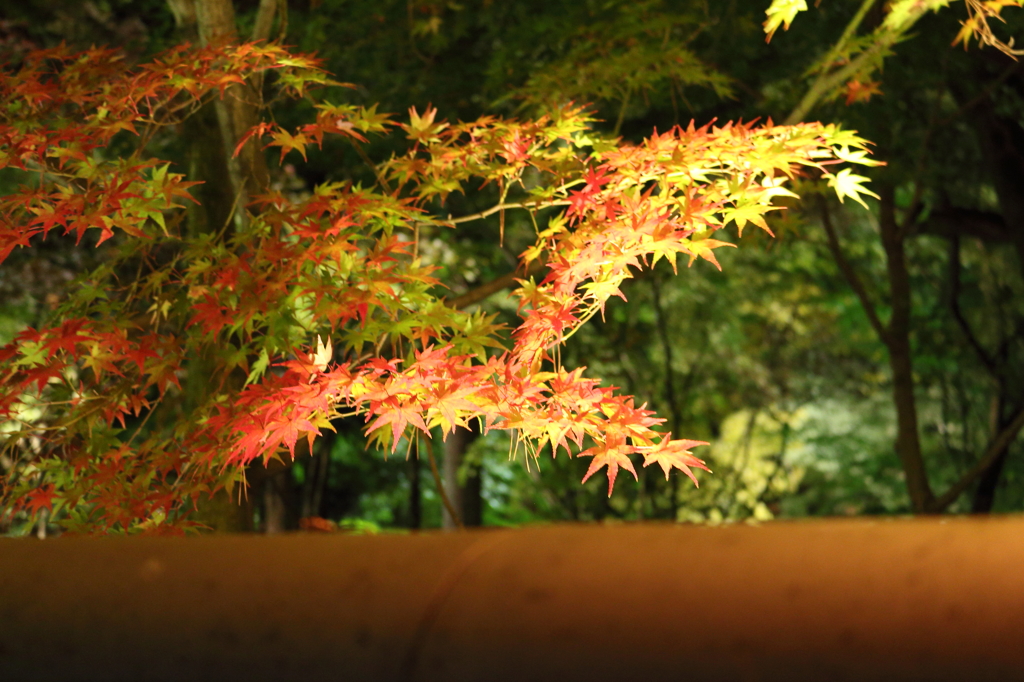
258 367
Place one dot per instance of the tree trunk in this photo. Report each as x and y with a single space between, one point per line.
908 442
317 471
212 135
985 493
465 495
237 111
280 503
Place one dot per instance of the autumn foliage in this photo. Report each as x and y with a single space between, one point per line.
319 308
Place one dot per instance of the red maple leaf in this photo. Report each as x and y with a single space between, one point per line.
399 415
40 498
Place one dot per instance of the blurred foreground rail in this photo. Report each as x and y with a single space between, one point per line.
921 599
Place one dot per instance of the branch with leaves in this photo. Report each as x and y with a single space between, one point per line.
849 66
337 267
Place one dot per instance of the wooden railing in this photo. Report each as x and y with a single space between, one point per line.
924 599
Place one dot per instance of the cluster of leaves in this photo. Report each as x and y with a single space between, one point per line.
849 66
91 430
637 52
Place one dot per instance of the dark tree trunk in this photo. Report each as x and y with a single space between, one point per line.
985 494
988 482
908 442
466 495
229 182
1002 143
280 502
415 494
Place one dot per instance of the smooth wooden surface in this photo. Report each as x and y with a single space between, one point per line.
929 599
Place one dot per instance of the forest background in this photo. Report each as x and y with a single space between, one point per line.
865 360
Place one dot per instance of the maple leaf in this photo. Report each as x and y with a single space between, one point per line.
211 315
847 184
703 248
256 131
40 498
611 456
288 142
843 153
674 453
399 416
323 354
782 12
580 201
422 128
445 406
751 213
857 91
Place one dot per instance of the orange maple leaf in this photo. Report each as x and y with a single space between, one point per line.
674 453
861 92
612 456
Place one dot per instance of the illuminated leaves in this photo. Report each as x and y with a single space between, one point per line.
669 454
848 184
612 457
847 69
782 12
340 265
979 12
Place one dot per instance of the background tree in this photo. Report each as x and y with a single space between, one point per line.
789 385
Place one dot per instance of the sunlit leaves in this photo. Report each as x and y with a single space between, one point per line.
340 265
669 454
848 184
979 13
782 12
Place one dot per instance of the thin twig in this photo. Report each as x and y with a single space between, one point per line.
622 112
494 286
851 274
995 449
440 484
369 162
501 207
958 315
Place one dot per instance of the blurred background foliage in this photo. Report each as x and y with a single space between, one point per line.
773 360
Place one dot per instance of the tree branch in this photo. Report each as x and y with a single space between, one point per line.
494 286
1001 442
501 207
987 226
848 33
958 315
985 93
826 81
851 274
